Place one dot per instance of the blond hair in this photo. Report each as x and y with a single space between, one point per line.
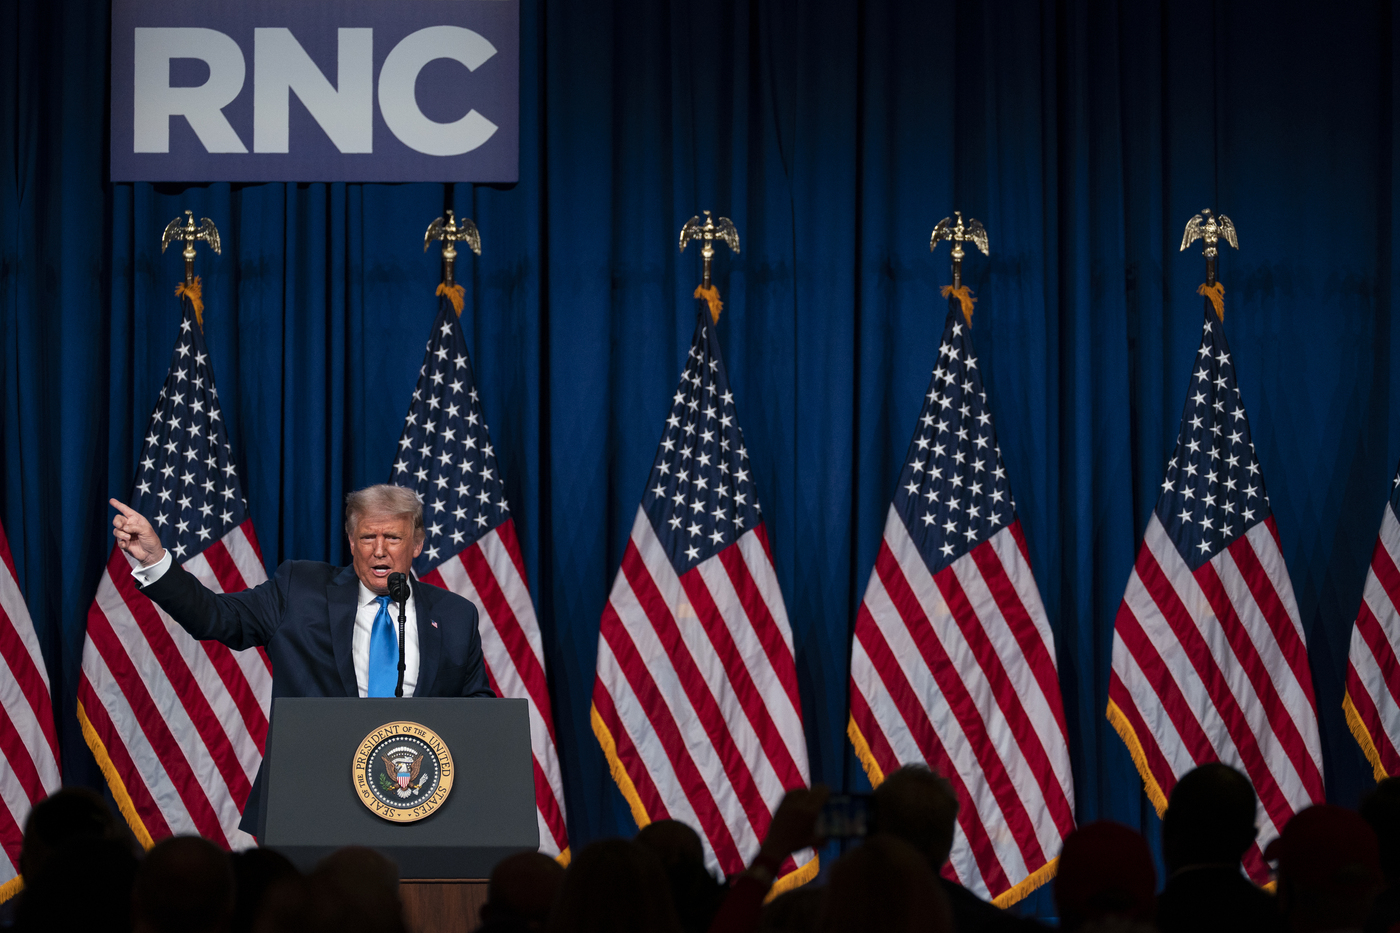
386 500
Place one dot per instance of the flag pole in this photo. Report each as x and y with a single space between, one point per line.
1205 227
957 234
711 230
191 288
451 233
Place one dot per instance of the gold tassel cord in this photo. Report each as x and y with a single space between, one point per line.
455 294
711 295
1216 294
195 293
964 295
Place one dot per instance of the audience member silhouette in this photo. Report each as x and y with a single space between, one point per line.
795 911
352 890
184 885
1329 870
1381 810
255 872
74 830
1208 827
521 893
65 816
921 808
884 886
694 892
1105 876
356 890
81 886
614 886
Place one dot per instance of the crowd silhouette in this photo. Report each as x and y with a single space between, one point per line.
1337 870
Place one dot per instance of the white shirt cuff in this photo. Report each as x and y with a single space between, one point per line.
145 576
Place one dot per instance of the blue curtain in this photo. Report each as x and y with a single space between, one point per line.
835 134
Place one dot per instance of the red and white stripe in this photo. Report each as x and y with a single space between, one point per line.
695 701
491 573
1212 666
957 670
177 725
28 741
1373 674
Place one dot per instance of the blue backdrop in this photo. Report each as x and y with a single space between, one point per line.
835 134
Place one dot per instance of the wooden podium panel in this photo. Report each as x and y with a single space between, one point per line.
438 905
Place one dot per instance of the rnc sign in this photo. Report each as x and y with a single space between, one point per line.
316 90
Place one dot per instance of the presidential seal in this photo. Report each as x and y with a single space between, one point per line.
402 771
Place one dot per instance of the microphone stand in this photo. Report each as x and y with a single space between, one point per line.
399 590
403 665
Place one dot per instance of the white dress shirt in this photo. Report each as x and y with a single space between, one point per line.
359 646
367 608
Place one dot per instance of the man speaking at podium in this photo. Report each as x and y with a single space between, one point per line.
329 631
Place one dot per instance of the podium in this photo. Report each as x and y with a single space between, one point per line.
314 799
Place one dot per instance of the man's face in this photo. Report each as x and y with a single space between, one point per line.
382 545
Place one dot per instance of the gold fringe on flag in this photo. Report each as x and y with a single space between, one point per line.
1125 731
1216 294
618 770
863 752
1363 738
114 780
794 879
1032 881
964 295
711 295
455 294
194 292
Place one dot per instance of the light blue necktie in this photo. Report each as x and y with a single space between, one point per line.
383 653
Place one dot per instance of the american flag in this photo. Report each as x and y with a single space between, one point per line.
445 454
1372 701
28 742
953 661
1209 661
178 725
695 703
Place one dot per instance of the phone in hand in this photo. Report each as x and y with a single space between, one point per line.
846 816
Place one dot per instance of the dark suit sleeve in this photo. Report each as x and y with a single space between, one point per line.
475 684
240 620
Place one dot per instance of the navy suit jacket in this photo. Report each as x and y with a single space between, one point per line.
305 618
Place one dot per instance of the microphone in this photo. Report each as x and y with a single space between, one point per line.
399 592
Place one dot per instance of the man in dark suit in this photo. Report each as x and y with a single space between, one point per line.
329 631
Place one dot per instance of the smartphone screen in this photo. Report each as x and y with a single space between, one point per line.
846 816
